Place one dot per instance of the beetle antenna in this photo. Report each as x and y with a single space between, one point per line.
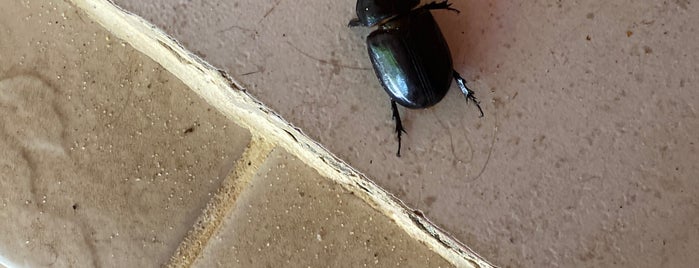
354 23
399 125
467 92
441 5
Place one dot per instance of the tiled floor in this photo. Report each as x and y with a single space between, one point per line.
587 154
296 218
109 160
106 158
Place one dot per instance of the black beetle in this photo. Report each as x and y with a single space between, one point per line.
409 54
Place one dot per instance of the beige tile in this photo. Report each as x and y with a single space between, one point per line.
587 152
106 159
291 216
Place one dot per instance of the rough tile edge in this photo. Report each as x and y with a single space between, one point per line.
229 97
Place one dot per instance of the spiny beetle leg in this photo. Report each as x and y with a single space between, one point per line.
441 5
467 92
399 125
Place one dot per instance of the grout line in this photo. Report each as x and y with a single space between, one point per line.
223 201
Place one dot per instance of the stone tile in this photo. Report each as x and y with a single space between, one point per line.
587 154
291 216
105 158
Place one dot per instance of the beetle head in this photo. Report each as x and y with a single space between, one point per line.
372 12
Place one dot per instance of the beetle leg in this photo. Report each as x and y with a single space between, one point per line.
467 92
399 125
440 5
354 23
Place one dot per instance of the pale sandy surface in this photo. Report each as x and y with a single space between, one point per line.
108 160
587 155
290 216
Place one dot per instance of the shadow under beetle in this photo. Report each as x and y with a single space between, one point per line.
409 54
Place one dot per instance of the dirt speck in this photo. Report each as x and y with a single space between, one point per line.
430 200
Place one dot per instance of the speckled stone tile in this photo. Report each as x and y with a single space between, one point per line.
106 160
290 216
587 154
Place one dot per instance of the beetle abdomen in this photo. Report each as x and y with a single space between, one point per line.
412 60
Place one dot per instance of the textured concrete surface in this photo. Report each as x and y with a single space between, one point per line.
587 153
296 218
110 159
106 159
